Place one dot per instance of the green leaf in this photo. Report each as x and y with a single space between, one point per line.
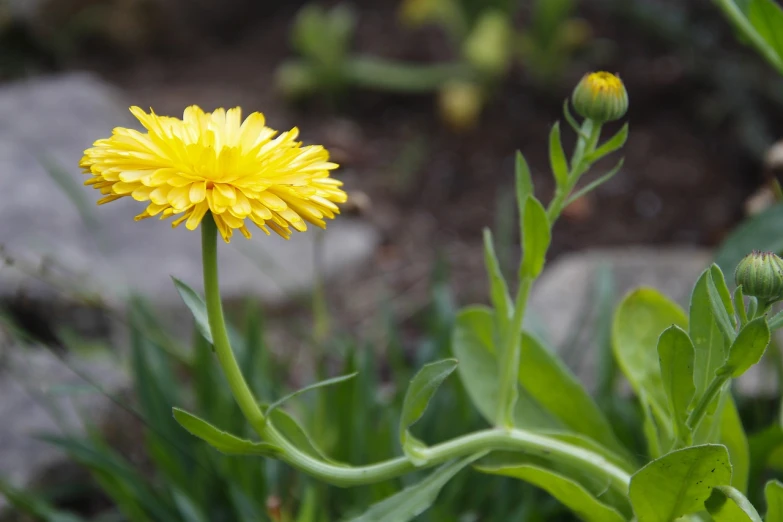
708 342
719 311
414 500
524 182
417 397
732 435
613 144
296 434
748 348
535 239
197 307
473 346
760 232
726 504
557 157
221 440
572 122
550 383
678 483
35 506
314 386
767 18
498 289
723 291
675 351
595 183
569 492
773 493
638 322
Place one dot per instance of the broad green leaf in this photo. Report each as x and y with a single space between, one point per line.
709 344
748 348
732 435
296 434
726 504
678 483
536 238
638 322
473 346
557 157
766 16
221 440
197 307
675 352
613 144
773 493
421 389
498 289
719 311
544 376
314 386
759 23
760 232
415 499
569 492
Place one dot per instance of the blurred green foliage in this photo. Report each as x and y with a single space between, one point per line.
186 480
483 35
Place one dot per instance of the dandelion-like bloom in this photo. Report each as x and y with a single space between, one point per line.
237 170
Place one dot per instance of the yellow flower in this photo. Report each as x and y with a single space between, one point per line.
216 162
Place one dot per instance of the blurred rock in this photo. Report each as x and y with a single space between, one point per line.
562 302
40 394
63 246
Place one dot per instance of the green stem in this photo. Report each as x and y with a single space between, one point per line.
239 388
509 358
579 165
402 77
744 26
697 415
486 440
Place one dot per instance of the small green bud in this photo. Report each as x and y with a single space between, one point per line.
601 96
761 276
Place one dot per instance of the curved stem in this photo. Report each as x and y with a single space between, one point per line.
236 381
487 440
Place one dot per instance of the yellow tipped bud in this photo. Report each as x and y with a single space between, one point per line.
601 96
761 276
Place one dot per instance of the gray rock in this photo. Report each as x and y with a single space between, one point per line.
41 394
561 302
49 222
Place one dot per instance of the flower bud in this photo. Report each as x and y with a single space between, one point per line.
761 276
601 96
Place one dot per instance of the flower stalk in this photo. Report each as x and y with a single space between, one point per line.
487 440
